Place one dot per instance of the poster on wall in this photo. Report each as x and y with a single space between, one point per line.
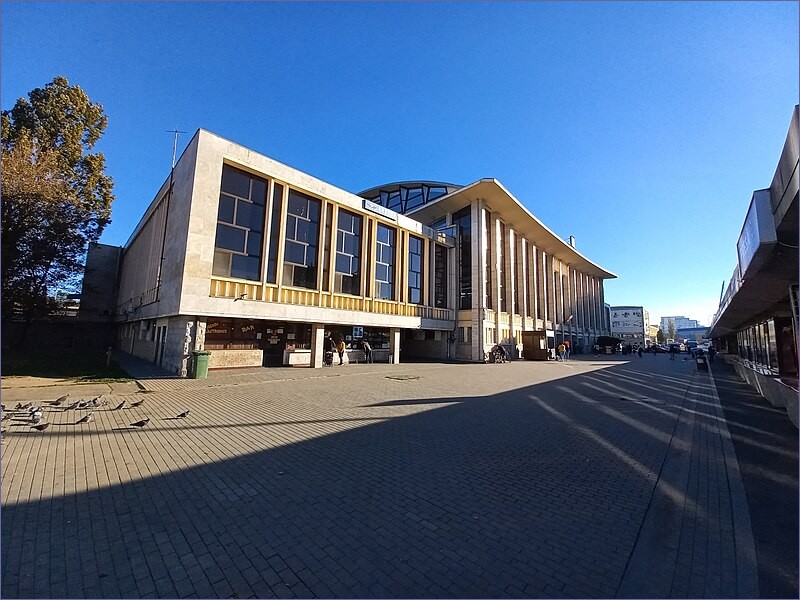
358 332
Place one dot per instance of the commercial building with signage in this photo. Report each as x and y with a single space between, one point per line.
756 323
256 262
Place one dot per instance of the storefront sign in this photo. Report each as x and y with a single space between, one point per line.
380 210
758 231
358 332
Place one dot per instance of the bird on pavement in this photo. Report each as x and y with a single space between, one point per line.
83 403
60 400
87 419
41 426
139 403
182 415
73 406
36 417
141 423
119 406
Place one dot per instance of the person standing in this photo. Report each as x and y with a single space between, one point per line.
340 350
566 349
562 349
711 353
367 351
639 351
673 350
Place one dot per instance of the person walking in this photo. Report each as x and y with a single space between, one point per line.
673 350
711 352
639 351
562 349
566 349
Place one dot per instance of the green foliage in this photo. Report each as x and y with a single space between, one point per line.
660 337
56 197
671 331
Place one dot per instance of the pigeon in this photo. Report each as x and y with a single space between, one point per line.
182 415
83 404
88 418
139 403
119 406
73 406
141 423
41 426
60 400
34 409
18 406
36 417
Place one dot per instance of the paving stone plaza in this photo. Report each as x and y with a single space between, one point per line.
599 477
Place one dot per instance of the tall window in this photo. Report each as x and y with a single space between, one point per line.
463 219
274 230
301 241
384 262
415 271
240 225
348 250
440 276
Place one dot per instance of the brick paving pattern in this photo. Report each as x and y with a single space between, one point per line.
417 480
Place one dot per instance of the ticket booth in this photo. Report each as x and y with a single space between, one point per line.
534 345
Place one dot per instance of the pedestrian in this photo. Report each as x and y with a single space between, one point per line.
340 350
711 352
367 351
673 350
566 349
639 351
562 349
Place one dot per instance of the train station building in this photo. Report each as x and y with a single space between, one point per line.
256 262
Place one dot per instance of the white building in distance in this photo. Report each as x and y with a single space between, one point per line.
630 323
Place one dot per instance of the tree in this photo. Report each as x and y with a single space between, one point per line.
660 337
671 331
56 197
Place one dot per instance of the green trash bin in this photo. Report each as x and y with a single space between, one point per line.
200 370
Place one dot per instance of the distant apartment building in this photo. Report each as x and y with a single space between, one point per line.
652 333
679 323
630 324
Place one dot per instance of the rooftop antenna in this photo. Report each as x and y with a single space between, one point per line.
174 145
166 211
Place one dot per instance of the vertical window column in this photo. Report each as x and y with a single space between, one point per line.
385 262
415 270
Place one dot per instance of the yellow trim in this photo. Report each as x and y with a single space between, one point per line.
232 288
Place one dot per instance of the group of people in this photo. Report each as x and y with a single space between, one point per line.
563 350
339 347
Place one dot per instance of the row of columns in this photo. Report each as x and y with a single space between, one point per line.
537 285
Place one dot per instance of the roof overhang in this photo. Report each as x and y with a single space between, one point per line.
501 202
761 295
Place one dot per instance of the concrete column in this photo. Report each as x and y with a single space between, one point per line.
394 345
317 345
479 245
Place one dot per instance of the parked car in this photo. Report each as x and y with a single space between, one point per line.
657 348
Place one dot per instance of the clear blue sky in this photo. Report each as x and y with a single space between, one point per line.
641 128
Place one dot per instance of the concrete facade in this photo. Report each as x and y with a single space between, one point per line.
170 303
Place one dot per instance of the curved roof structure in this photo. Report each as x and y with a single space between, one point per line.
402 196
